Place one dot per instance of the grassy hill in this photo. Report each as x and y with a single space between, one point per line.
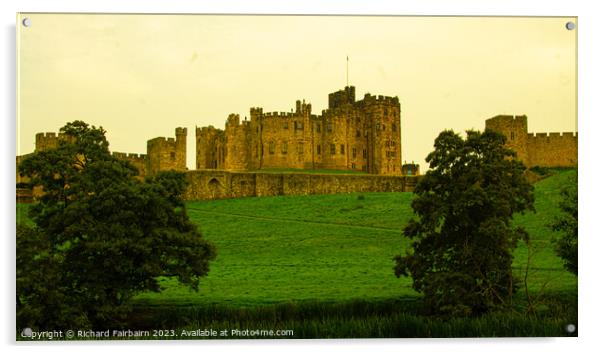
322 266
335 248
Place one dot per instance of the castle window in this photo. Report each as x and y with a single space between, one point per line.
384 127
377 125
386 112
284 147
271 148
298 125
342 148
357 133
285 125
329 127
173 156
365 153
300 148
333 149
318 127
318 149
393 127
511 135
352 166
353 152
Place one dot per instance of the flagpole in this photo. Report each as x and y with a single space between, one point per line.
347 70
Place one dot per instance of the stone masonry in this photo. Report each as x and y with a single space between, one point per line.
220 184
536 149
362 135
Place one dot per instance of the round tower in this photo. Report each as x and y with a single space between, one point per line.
514 128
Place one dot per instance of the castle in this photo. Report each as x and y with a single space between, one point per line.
352 135
536 149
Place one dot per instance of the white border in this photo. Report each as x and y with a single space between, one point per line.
589 126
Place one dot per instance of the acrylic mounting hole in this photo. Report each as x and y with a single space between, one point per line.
570 25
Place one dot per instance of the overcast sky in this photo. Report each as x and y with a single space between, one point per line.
141 76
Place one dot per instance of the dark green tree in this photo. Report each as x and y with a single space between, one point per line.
462 238
100 235
567 224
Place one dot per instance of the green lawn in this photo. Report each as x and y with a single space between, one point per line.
334 248
322 265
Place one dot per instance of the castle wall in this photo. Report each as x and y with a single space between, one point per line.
552 150
138 160
540 149
215 184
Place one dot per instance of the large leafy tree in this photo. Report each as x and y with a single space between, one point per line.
462 238
100 235
567 224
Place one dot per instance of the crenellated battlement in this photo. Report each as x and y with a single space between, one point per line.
164 154
48 140
46 135
380 99
208 130
161 141
128 156
551 149
233 120
279 115
565 135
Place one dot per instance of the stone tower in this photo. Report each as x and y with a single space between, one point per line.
46 141
237 143
165 154
514 128
210 144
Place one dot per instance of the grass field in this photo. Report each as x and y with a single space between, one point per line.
325 261
334 248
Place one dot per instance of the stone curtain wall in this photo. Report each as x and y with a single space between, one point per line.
552 150
215 184
138 160
539 149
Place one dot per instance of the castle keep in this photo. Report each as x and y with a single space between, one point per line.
362 135
536 149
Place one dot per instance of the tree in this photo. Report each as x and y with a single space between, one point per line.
100 236
462 240
566 245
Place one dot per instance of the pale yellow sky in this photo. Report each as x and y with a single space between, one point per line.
140 76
